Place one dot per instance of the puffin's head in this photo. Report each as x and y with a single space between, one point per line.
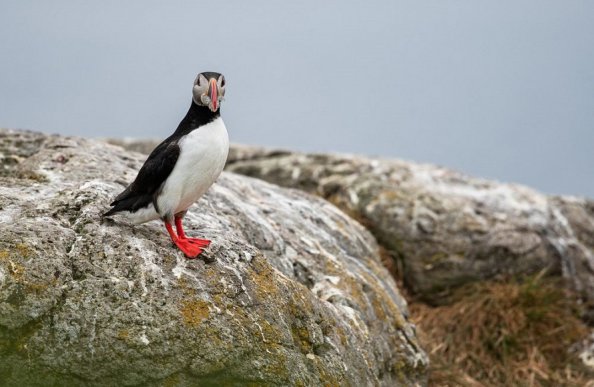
209 90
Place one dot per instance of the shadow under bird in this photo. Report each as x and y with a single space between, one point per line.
182 168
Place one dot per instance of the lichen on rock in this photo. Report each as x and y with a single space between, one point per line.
292 291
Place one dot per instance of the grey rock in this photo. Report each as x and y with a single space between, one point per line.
144 146
443 228
295 293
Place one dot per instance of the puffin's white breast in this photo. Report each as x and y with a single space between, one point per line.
203 153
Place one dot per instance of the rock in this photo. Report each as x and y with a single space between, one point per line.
295 294
444 228
144 146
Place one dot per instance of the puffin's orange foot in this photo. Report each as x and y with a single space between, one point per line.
191 250
199 242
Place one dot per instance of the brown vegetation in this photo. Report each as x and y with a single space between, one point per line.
505 334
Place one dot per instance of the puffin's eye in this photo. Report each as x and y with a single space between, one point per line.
201 81
223 82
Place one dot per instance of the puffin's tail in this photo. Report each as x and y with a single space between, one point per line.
130 203
115 207
109 213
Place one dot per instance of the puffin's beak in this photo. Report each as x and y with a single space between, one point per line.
213 94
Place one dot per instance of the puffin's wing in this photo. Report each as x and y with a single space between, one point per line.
151 176
156 168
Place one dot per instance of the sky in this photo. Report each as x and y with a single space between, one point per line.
496 89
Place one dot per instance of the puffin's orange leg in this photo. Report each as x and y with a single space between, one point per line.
191 250
180 228
181 235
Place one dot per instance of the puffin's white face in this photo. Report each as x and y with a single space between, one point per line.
209 90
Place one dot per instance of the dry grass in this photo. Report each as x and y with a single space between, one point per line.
504 334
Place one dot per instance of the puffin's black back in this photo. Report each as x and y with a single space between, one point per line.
157 167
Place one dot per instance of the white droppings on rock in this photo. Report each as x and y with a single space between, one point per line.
354 198
587 353
51 175
296 173
565 240
290 253
354 318
334 280
181 268
9 214
97 185
150 266
237 273
326 292
502 200
261 332
143 339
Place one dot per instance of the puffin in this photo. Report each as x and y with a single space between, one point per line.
181 168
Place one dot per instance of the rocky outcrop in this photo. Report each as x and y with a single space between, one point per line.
444 228
291 292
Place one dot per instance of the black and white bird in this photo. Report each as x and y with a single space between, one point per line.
182 168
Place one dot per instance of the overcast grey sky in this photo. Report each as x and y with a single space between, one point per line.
497 89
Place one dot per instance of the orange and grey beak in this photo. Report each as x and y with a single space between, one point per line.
213 93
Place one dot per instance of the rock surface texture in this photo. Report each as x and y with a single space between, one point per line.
444 228
294 292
